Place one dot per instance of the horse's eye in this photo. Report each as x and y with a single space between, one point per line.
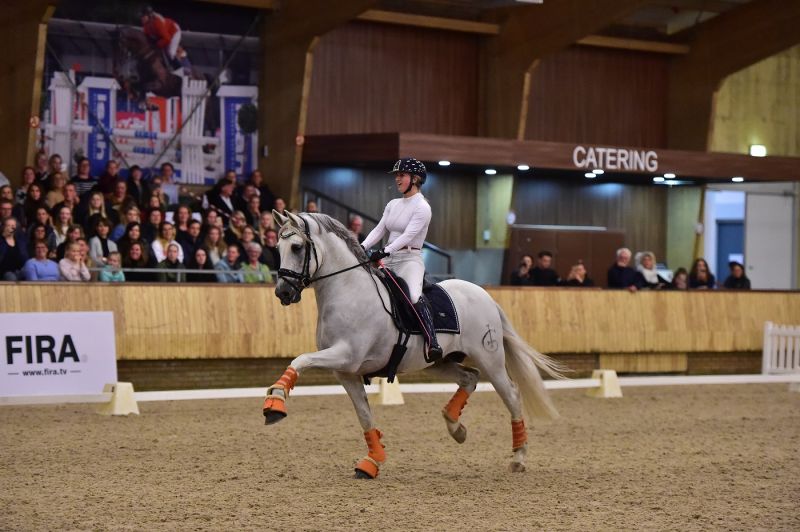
297 247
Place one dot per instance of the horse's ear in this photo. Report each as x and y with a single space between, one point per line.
279 218
295 220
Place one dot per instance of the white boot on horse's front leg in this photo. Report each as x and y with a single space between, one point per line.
518 461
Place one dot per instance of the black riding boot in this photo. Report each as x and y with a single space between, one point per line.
434 351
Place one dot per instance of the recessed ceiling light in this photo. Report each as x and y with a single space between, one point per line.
672 182
669 176
658 179
523 167
490 171
758 150
589 175
737 179
444 163
599 171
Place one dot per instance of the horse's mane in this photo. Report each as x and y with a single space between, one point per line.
336 227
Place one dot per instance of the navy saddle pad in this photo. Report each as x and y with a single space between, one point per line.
445 317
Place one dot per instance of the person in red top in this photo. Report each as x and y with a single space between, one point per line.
165 33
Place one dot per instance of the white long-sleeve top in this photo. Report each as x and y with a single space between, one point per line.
406 220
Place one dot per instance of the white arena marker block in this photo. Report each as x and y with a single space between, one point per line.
122 400
388 392
609 384
794 387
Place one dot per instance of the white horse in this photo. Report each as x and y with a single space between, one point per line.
355 335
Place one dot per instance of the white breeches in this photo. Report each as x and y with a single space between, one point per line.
408 265
172 49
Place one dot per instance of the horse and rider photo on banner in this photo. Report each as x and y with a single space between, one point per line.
144 84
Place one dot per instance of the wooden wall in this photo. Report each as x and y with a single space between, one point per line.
452 197
761 105
599 96
374 78
200 321
638 211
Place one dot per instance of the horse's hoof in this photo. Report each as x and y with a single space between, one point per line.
273 416
517 467
362 474
460 434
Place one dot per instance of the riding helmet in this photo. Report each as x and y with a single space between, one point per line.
412 166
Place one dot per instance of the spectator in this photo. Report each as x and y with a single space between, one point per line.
200 261
279 205
621 275
13 251
33 201
96 209
56 193
131 215
71 200
191 239
43 219
112 272
700 276
38 233
100 246
71 267
83 180
249 235
109 178
542 274
73 234
253 212
270 255
265 223
62 225
17 211
255 271
171 268
28 178
150 228
265 195
311 206
214 244
737 280
138 258
133 234
166 237
40 268
83 249
119 200
213 219
183 215
6 209
156 201
54 167
522 275
230 264
222 200
578 276
356 226
233 234
136 188
41 166
167 173
646 267
680 279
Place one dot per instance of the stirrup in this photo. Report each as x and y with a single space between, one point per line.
433 353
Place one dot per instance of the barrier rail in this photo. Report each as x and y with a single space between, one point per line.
781 353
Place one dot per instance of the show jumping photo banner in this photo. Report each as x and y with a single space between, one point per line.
148 85
56 353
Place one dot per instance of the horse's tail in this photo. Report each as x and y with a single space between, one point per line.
522 362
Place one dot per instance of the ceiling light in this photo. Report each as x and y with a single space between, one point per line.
672 182
737 179
490 171
669 176
523 167
599 171
444 163
758 150
658 179
589 175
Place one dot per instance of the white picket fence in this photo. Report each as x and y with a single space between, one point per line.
781 349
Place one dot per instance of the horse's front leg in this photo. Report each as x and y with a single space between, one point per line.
368 466
334 358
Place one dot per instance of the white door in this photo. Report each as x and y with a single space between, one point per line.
768 241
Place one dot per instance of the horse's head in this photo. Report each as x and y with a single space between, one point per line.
299 258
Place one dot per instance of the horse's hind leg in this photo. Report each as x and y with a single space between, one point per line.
495 371
467 379
368 466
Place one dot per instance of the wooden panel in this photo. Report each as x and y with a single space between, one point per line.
369 190
194 321
378 78
589 95
637 211
650 363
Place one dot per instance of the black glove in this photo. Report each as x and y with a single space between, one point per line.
375 256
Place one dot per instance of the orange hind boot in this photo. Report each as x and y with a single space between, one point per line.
518 433
368 466
275 402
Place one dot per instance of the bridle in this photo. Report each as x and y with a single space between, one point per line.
301 280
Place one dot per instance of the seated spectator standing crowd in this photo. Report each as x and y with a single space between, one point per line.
112 228
621 275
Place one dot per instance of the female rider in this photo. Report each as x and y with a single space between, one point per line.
406 221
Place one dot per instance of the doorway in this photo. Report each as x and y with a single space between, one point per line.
730 245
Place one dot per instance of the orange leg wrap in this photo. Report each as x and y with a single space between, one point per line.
452 411
287 380
277 403
520 435
376 455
